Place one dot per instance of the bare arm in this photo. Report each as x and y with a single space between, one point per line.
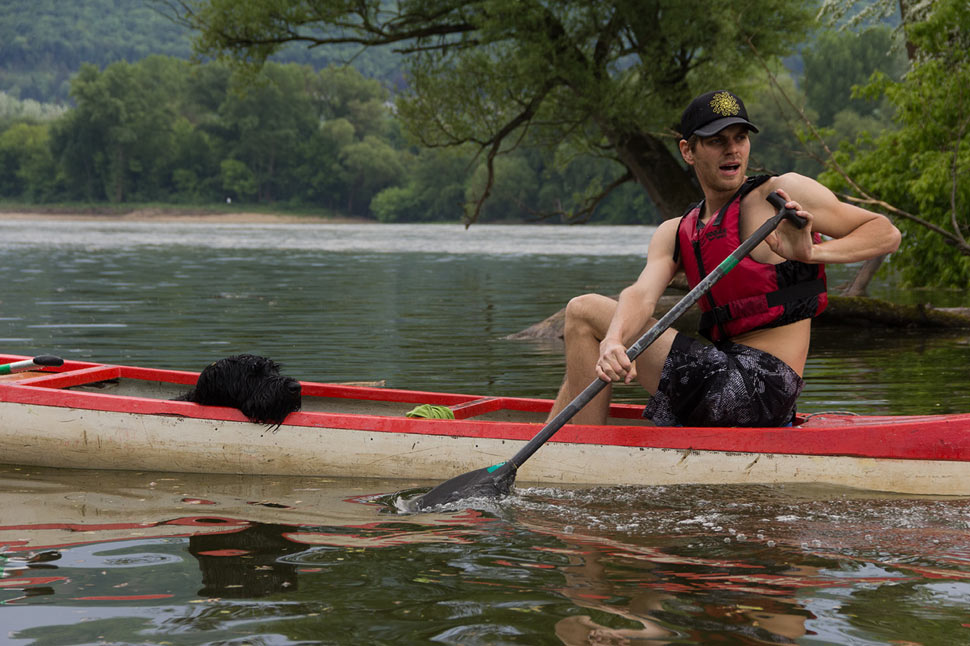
856 234
636 305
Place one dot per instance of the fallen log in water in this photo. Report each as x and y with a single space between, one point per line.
842 310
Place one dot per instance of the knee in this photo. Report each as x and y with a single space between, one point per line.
582 313
578 307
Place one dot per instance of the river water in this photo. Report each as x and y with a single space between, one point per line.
134 558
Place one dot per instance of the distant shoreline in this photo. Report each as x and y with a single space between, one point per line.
174 215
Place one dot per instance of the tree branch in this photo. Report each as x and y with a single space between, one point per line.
399 28
583 215
953 186
494 145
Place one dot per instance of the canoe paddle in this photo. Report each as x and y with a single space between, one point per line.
30 364
497 480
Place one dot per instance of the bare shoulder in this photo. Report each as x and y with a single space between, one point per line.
665 237
669 227
831 216
804 190
663 242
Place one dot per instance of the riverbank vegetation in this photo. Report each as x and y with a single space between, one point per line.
488 111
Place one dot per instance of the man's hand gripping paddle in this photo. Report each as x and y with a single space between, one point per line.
497 480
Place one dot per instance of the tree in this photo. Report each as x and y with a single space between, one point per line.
610 76
27 168
920 172
344 93
855 55
371 165
434 190
515 186
238 180
118 138
268 118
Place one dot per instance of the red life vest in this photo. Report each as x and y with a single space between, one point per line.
753 295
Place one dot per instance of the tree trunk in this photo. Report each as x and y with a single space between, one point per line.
905 16
119 183
842 310
670 186
862 278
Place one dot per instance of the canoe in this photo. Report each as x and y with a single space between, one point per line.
99 416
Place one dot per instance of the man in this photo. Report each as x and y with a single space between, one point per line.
758 315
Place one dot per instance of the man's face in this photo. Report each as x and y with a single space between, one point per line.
720 160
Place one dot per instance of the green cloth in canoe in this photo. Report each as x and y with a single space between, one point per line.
428 411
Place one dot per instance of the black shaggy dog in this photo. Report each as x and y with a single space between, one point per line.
251 383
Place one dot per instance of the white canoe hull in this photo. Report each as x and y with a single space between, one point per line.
93 439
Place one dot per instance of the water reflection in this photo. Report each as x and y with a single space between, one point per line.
145 556
769 564
247 563
673 599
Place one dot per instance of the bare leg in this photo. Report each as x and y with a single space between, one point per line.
586 322
587 319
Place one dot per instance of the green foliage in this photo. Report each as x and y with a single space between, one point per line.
606 77
568 98
856 56
12 109
433 192
923 167
370 165
345 94
27 169
396 204
628 205
776 147
116 143
574 183
165 130
237 180
514 189
44 42
831 101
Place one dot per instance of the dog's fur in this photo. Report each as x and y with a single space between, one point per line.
251 383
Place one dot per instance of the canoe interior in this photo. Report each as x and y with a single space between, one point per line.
166 385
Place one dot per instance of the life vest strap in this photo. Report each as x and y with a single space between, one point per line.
808 289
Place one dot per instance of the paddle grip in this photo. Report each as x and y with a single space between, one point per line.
779 202
48 360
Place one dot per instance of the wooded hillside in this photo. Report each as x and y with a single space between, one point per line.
43 43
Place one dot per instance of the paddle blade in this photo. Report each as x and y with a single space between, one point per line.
491 482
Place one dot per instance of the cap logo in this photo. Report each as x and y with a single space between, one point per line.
725 105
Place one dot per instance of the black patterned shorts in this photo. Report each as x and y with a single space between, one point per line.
726 384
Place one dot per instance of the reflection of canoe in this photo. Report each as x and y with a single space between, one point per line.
77 535
50 509
86 415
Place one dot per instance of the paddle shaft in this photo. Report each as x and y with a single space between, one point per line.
668 319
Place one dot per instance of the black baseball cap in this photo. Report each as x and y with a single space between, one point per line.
712 112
